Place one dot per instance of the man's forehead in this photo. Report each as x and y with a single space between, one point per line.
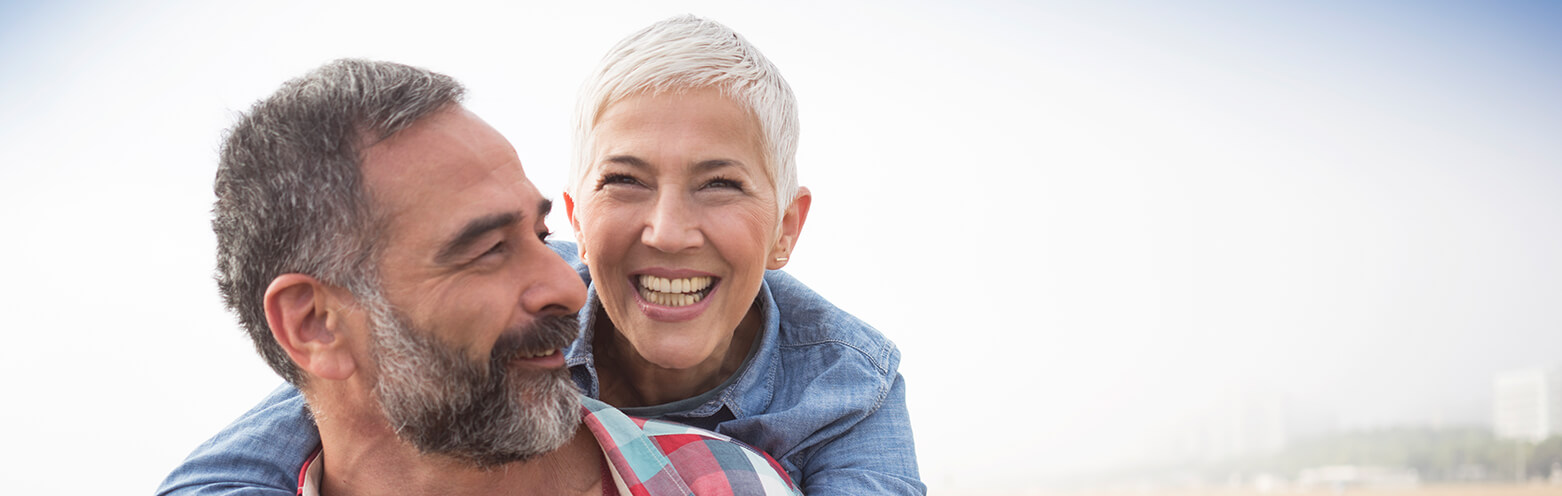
449 134
449 163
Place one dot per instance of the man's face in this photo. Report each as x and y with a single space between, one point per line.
467 335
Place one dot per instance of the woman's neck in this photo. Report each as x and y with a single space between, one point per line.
627 379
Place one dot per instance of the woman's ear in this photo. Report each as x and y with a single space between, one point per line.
306 320
791 227
574 224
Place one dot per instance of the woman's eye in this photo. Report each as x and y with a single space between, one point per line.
543 236
722 182
610 179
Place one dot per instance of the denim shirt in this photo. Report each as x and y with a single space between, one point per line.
821 393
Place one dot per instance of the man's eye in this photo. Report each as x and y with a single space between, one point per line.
543 236
496 249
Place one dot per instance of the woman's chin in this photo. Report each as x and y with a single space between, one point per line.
673 355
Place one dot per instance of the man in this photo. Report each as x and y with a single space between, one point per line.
384 250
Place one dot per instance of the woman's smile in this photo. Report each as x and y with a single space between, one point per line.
679 292
673 297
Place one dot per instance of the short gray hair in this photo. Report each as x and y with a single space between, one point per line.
290 193
684 53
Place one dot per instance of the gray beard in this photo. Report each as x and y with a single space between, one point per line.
486 414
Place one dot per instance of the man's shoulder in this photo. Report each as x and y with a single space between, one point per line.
662 457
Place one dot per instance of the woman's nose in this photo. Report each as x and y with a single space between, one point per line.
672 226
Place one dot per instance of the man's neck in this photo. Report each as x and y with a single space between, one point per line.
369 461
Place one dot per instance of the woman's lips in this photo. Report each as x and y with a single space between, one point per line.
679 292
673 297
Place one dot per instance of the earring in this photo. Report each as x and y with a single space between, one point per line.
781 259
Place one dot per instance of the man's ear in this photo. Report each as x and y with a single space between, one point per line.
574 225
791 227
306 318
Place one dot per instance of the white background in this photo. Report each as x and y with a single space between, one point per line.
1084 224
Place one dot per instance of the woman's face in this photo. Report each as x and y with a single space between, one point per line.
677 221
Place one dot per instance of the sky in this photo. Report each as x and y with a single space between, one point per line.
1088 226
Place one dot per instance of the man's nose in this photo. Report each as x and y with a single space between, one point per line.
553 286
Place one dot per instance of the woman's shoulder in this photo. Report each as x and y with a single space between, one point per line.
567 249
809 322
570 252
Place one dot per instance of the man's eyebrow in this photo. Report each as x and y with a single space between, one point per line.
474 230
544 207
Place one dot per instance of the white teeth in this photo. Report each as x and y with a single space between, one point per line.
685 285
539 354
673 292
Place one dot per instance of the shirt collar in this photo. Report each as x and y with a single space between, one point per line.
309 476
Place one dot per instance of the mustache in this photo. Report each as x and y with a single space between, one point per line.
541 334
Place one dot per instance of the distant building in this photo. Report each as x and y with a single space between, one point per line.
1242 425
1527 404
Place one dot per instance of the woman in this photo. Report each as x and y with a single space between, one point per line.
683 193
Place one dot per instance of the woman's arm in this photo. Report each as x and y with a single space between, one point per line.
875 456
259 454
837 420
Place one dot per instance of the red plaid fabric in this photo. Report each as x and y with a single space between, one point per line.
655 458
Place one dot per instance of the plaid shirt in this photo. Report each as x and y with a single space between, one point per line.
655 458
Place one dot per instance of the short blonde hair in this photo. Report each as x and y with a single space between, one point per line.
685 53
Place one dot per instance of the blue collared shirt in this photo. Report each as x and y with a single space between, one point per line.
820 392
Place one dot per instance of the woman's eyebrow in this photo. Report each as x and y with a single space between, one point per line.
701 166
629 160
713 164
